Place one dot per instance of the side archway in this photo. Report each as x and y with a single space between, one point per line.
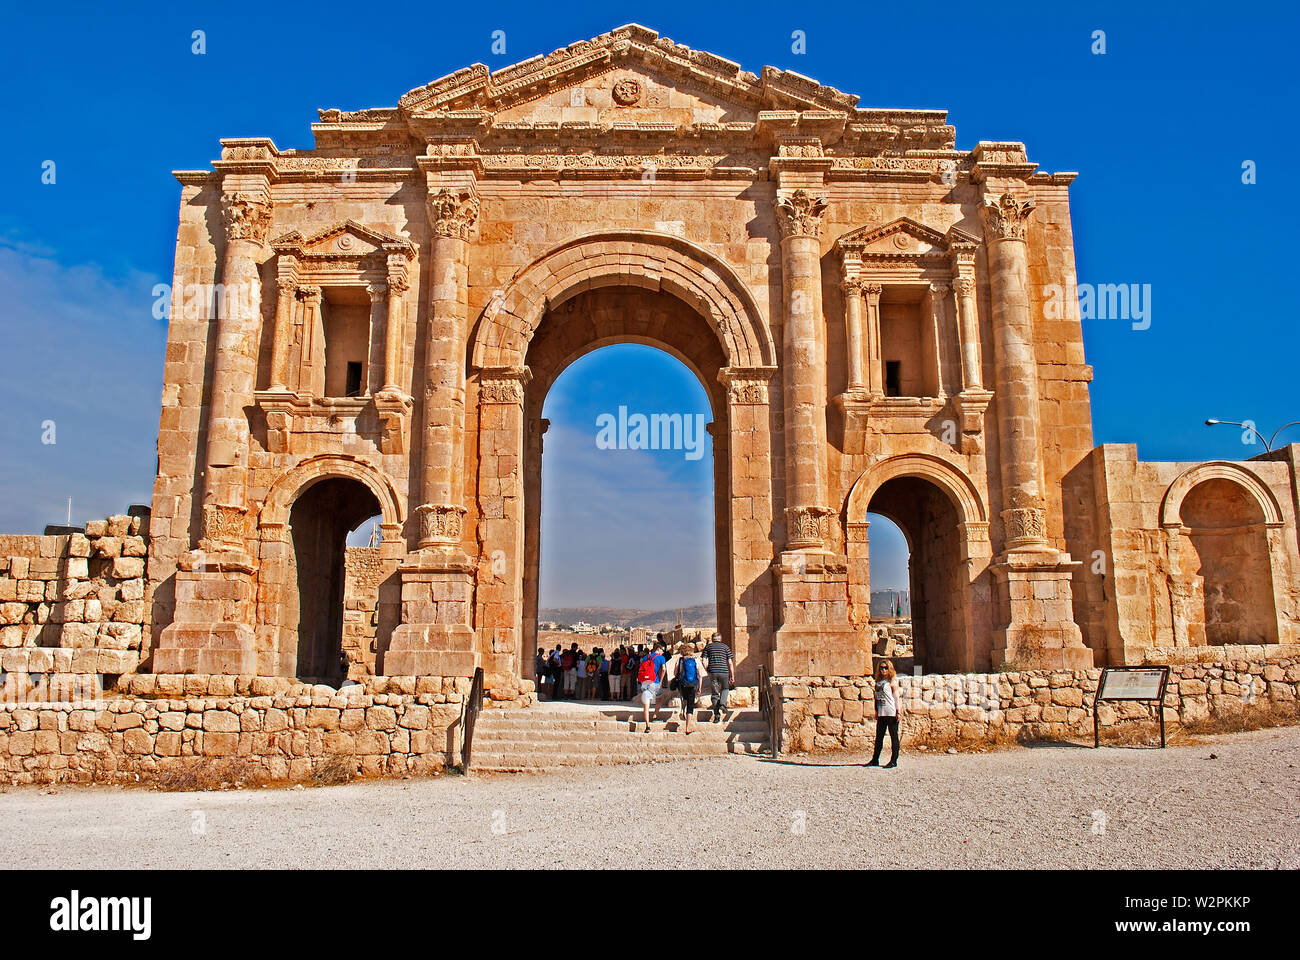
652 261
1171 508
943 519
295 482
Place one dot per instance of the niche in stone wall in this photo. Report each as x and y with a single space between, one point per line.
345 361
1227 566
907 341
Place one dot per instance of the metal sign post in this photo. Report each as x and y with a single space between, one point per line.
1143 684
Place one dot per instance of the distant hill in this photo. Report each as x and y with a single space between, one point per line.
703 615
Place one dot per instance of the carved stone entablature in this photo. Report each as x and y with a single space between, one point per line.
453 213
1024 525
799 214
245 217
746 385
641 166
1006 218
806 526
503 385
1002 159
290 415
865 420
440 523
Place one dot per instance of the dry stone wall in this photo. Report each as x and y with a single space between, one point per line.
820 714
74 604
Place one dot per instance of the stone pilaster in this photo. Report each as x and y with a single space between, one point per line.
286 283
811 589
875 363
435 636
1033 577
853 304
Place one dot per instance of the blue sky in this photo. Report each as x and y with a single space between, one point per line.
1158 128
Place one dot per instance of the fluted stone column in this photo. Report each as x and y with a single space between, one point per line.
798 216
441 512
1016 370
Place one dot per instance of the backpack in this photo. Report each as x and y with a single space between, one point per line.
688 672
646 672
566 660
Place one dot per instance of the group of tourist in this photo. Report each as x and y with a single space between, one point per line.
645 671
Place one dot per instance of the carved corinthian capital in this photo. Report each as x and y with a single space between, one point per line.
1006 218
799 214
453 214
246 218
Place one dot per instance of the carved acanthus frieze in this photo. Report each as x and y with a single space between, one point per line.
223 526
245 217
1007 217
453 213
799 214
440 523
1024 524
806 525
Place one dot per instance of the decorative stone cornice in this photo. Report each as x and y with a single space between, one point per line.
245 217
503 384
453 214
1006 218
799 214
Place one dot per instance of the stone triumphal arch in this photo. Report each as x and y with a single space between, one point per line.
864 301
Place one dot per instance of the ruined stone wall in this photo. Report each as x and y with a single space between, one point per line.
73 604
832 713
1166 530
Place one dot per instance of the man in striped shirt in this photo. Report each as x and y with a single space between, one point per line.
721 667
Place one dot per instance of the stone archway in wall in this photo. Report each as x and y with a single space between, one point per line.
628 287
302 577
1221 525
945 524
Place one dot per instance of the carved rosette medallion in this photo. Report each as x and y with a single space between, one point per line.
806 526
627 92
800 214
245 218
453 214
1006 218
223 526
1024 525
440 523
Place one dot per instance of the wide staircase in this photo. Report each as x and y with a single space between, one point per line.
563 734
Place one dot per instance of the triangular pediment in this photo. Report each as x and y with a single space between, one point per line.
903 236
346 239
606 72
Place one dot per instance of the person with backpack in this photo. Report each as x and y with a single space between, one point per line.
687 677
720 665
569 664
616 675
649 677
602 682
630 665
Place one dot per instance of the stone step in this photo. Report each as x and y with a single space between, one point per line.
613 727
502 761
543 738
645 746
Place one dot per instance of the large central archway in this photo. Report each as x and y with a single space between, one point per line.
626 287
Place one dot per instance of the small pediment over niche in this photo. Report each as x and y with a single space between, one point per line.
348 239
902 237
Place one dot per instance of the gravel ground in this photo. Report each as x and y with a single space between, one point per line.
1029 807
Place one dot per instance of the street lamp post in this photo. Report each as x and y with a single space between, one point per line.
1247 425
